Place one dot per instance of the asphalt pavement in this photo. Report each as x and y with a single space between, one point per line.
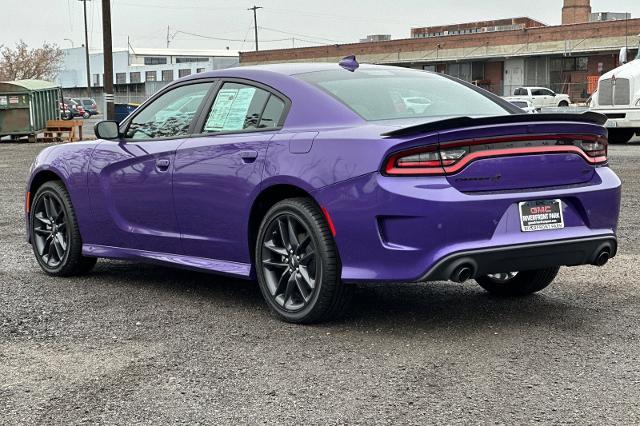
139 344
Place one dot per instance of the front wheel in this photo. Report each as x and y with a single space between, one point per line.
55 236
518 283
297 263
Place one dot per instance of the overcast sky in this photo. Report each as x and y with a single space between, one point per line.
284 22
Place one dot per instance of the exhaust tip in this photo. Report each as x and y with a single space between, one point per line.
462 273
602 258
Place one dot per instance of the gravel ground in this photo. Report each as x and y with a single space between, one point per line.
145 344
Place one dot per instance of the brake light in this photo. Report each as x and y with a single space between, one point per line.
452 157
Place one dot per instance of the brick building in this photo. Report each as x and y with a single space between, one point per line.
498 55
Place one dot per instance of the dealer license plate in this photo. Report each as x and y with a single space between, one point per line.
611 124
541 215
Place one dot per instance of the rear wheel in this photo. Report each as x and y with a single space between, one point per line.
563 104
297 263
617 136
55 236
518 283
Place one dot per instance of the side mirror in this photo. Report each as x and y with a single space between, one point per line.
623 55
107 130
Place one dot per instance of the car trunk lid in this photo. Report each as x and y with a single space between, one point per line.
515 152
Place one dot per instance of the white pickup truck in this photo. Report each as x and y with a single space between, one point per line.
618 97
540 97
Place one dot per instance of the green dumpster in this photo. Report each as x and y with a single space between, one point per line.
26 106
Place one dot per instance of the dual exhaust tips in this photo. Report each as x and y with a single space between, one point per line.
467 270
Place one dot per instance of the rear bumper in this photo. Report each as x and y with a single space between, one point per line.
621 118
407 229
522 257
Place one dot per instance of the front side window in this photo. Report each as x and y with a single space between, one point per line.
386 93
240 106
170 115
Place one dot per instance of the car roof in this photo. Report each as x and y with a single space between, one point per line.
288 69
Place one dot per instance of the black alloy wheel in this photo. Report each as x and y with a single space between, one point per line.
50 232
54 232
297 263
289 262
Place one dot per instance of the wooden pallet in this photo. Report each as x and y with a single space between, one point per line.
62 131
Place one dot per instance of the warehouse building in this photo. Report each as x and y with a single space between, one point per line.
137 73
498 55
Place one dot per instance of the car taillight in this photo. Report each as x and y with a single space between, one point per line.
451 157
595 148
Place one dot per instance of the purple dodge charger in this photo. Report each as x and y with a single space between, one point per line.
310 177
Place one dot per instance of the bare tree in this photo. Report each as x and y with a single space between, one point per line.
21 63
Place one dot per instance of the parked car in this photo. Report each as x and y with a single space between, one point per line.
417 104
527 106
312 177
90 106
71 109
540 97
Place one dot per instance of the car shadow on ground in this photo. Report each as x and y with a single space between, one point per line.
412 307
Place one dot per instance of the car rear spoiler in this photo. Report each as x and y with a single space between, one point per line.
452 123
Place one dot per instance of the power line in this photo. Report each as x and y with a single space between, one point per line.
300 35
226 39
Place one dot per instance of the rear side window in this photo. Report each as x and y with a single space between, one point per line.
238 107
520 92
272 113
387 93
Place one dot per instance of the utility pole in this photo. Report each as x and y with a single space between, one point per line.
86 48
168 37
255 22
108 59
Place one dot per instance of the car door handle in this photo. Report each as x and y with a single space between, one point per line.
248 156
162 164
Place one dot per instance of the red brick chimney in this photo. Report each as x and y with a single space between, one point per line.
576 11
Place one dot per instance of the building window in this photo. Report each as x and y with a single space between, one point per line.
187 60
121 78
167 75
134 77
96 80
477 71
581 64
199 70
151 76
155 60
184 72
569 64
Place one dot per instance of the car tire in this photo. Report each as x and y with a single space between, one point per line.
55 236
520 284
563 104
620 136
86 115
297 264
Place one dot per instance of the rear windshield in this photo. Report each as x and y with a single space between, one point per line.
384 94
